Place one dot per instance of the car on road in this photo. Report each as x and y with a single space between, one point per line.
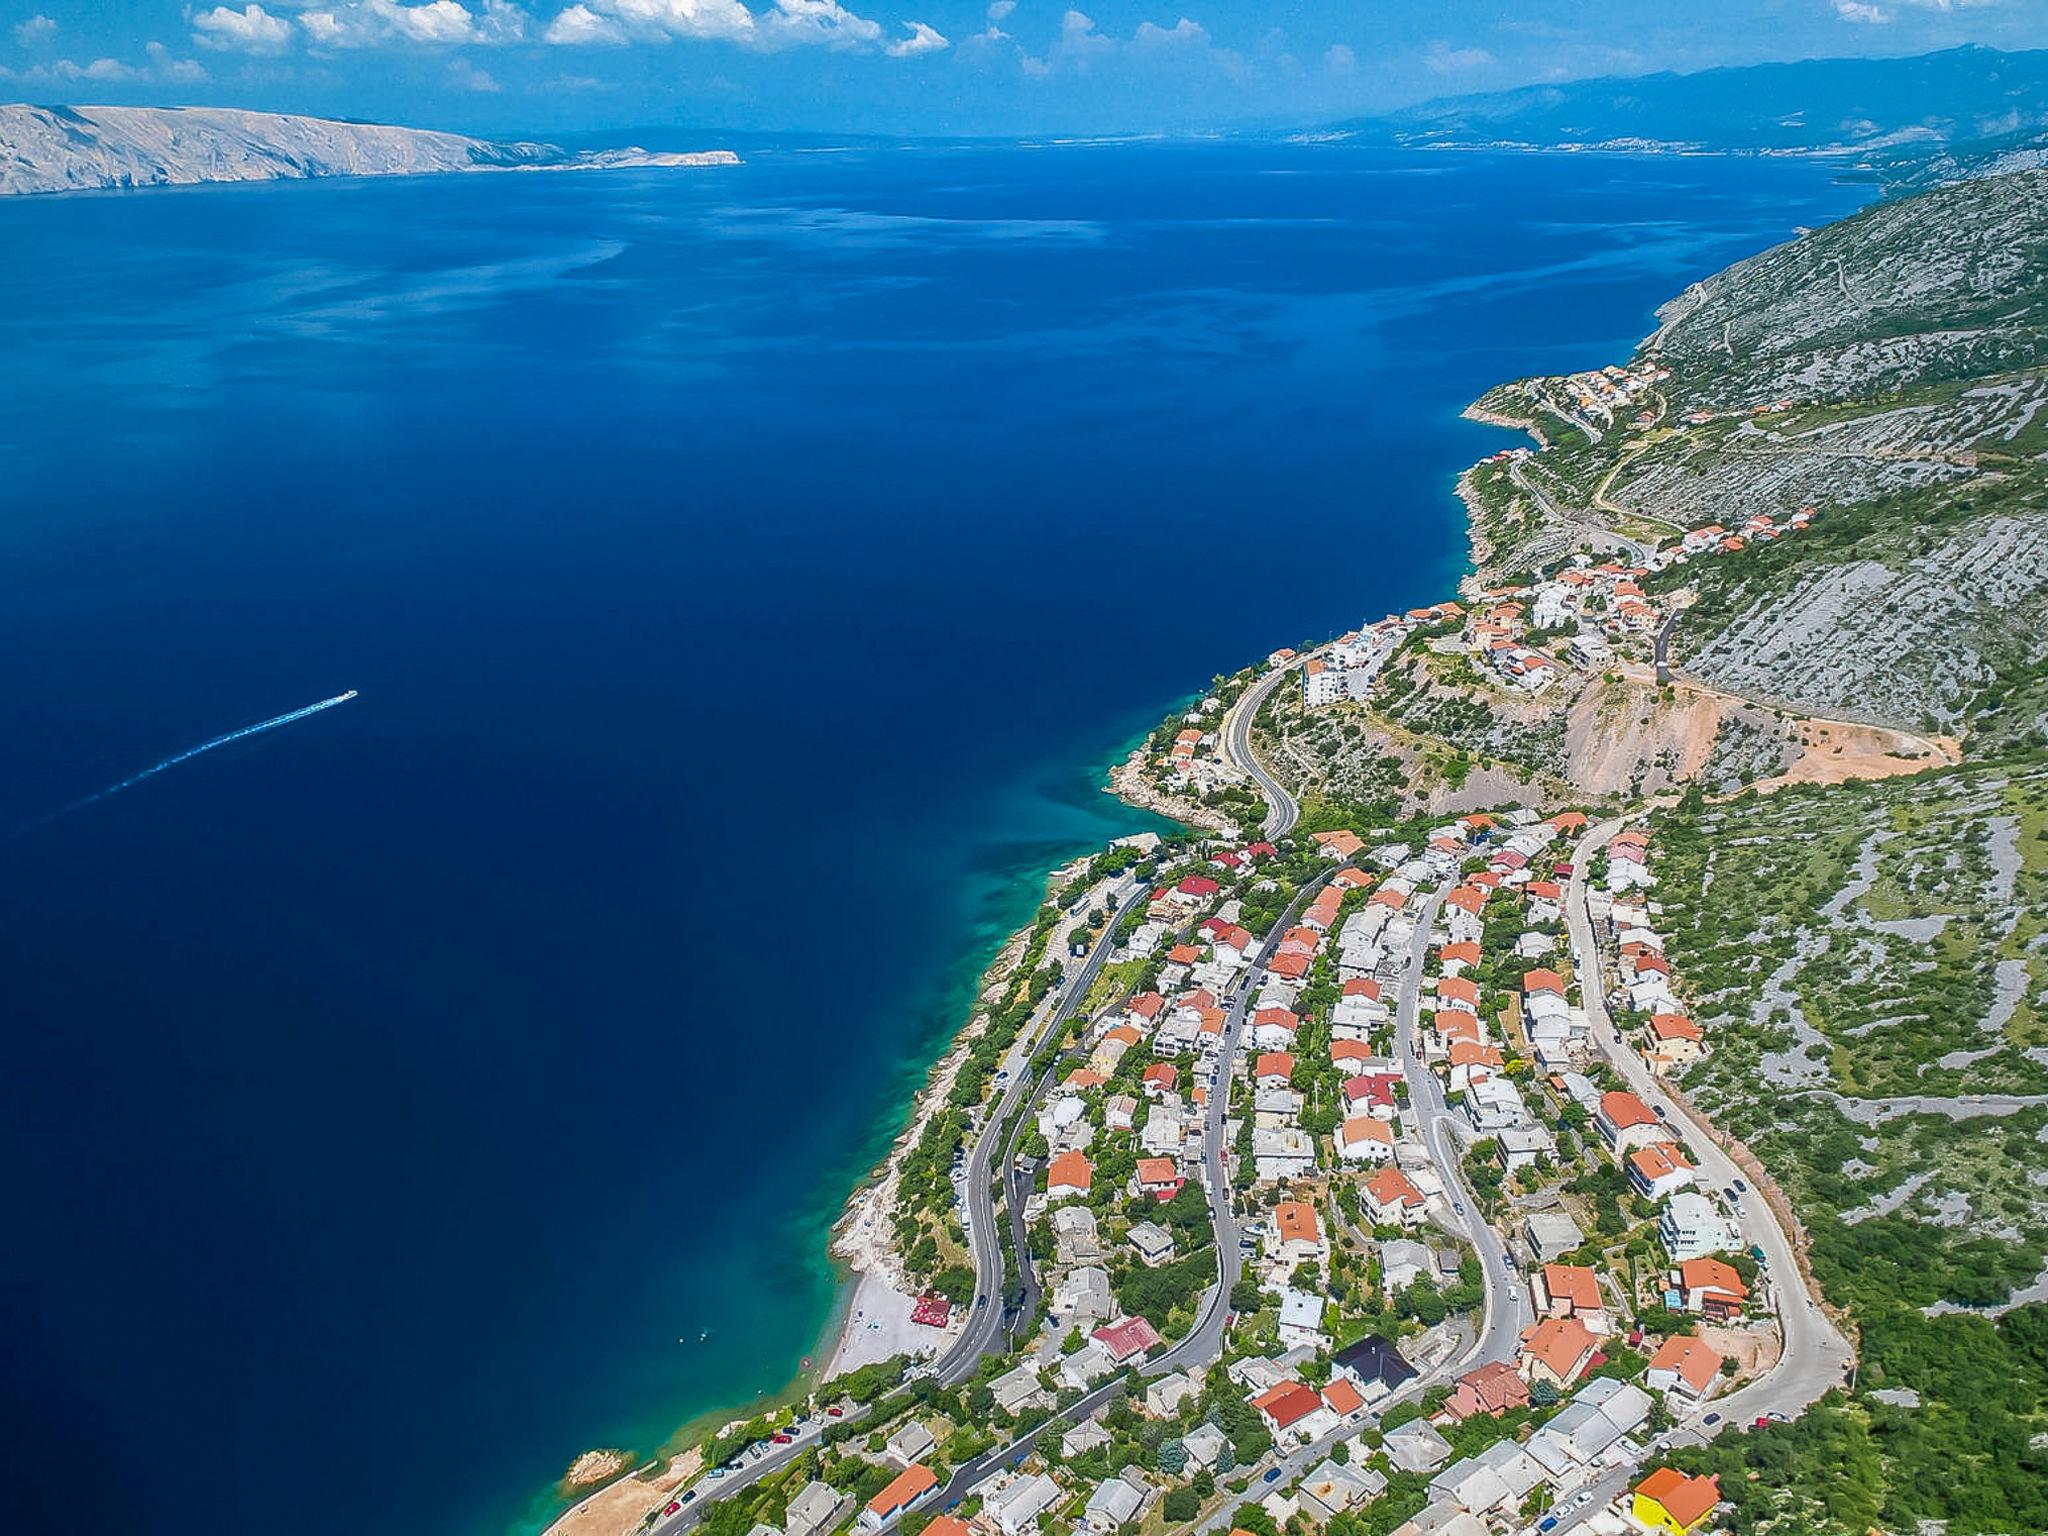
1657 1110
1458 1206
980 1302
1272 1474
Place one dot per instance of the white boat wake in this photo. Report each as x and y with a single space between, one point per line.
185 757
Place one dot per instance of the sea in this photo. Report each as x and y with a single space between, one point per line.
745 577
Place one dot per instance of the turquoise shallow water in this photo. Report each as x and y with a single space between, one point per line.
743 576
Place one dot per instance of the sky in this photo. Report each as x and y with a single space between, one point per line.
915 67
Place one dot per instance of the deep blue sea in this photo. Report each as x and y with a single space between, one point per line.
745 575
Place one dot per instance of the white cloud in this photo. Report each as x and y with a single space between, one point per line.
1861 11
619 21
580 26
922 39
178 71
433 24
1443 59
1338 59
998 9
465 76
37 29
785 24
249 30
821 22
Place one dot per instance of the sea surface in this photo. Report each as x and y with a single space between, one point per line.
746 576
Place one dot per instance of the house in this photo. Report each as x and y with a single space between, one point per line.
1205 1445
1126 1339
913 1442
1492 1389
1068 1177
909 1487
1154 1244
1523 1146
1115 1503
1085 1437
1685 1365
1551 1235
1403 1261
1164 1396
1301 1319
1294 1413
1297 1237
1373 1366
1459 992
1371 1093
1159 1177
1659 1171
1273 1067
1417 1446
1391 1198
1363 1139
1332 1489
1075 1236
1573 1290
1016 1506
816 1510
1690 1227
1083 1296
1273 1029
1338 845
1018 1391
1158 1078
1556 1350
1587 1428
1625 1122
1675 1039
1710 1287
1670 1501
1343 1399
1282 1153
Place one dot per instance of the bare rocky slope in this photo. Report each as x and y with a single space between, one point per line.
69 149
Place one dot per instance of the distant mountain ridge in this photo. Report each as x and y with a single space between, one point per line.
68 149
1899 109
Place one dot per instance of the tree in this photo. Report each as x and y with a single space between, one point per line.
1181 1505
1542 1394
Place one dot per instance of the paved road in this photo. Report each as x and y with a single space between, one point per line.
1816 1356
986 1158
1584 525
1281 810
1664 646
1505 1315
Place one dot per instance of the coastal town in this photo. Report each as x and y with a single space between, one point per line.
1330 1180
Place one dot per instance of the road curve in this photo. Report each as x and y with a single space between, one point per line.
1282 811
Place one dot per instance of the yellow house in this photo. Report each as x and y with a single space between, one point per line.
1667 1500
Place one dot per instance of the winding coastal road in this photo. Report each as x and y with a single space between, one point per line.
1282 811
1508 1309
990 1156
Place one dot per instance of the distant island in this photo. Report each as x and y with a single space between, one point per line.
75 149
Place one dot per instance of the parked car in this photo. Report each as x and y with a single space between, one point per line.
1712 1418
784 1437
1272 1475
674 1508
835 1411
